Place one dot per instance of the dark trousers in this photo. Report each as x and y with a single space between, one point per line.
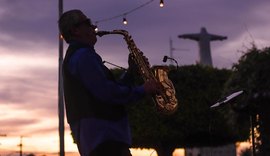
111 148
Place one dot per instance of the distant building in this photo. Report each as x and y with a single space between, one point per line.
204 39
228 150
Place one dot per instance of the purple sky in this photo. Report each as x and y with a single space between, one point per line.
29 46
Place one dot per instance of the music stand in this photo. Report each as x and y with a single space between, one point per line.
228 99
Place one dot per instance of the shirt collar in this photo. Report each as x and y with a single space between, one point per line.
77 43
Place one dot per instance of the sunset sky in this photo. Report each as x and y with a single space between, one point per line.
29 51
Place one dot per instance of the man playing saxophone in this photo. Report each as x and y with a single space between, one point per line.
95 102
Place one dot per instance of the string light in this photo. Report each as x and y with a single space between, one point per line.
96 29
161 4
125 20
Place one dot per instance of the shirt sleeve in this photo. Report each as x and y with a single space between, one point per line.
87 67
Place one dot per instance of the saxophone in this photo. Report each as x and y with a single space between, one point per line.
166 102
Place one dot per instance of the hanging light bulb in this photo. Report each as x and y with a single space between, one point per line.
96 29
125 21
161 4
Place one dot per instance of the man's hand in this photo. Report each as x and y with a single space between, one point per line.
152 87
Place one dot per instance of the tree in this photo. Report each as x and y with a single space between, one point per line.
252 74
245 152
194 124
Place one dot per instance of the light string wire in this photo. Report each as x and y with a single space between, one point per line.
123 14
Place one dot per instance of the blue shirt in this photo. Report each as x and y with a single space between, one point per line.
86 65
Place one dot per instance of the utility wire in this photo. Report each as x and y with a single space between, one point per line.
123 14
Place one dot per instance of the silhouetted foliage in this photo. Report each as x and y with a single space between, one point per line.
194 124
245 152
252 74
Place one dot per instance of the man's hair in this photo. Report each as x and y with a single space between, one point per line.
67 21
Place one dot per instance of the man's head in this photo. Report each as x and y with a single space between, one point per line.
74 25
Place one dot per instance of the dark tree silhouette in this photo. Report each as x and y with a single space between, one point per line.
194 124
252 73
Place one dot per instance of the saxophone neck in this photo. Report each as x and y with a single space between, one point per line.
102 33
120 32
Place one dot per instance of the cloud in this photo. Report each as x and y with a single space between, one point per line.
15 122
28 92
28 22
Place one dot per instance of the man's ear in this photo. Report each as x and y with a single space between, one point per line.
74 31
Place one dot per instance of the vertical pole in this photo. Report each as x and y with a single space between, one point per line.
21 145
252 119
60 91
171 50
